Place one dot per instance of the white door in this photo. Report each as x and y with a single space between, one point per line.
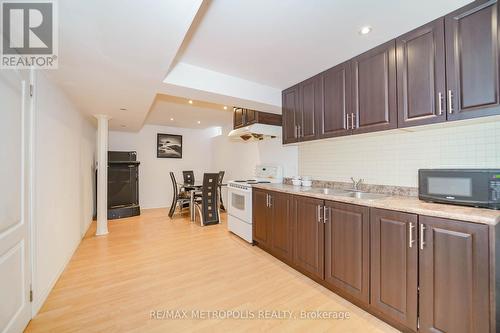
15 267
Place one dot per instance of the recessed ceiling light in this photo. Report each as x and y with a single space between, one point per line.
199 122
225 107
171 119
365 30
190 101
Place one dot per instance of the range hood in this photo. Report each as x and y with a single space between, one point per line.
256 132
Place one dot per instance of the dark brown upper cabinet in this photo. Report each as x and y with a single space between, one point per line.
244 117
472 57
347 249
290 111
420 57
394 265
453 276
333 118
310 99
238 117
308 249
374 97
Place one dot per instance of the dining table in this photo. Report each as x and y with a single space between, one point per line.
193 189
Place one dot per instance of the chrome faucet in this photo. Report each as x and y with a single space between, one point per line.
356 184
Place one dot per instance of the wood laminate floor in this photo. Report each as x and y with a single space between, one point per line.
153 263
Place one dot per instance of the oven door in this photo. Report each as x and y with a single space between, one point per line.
240 204
466 187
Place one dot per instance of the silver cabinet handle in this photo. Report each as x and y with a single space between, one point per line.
450 101
267 200
422 241
296 131
300 131
440 104
410 235
352 121
270 200
347 121
324 214
319 213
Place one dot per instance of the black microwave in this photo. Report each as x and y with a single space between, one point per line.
468 187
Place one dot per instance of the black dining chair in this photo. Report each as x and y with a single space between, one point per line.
208 205
188 176
221 177
179 197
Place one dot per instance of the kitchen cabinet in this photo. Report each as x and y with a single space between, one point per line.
281 218
310 99
244 117
291 112
374 97
453 276
334 116
273 222
261 218
472 60
308 246
394 265
420 58
347 249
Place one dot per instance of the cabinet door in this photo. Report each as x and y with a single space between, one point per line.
454 276
261 224
309 236
281 225
472 56
333 117
421 76
374 89
347 252
310 107
290 110
238 117
394 265
250 117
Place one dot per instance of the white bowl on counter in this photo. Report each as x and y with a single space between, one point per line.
307 183
296 182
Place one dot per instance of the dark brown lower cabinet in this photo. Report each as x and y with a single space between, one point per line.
260 213
394 265
454 276
281 219
347 249
309 236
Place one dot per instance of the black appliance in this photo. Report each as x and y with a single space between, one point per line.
123 184
467 187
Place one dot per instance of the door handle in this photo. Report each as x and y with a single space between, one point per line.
267 200
422 241
319 213
325 209
410 235
296 131
347 121
450 101
352 121
440 104
300 131
270 201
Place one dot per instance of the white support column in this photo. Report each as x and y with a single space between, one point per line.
102 174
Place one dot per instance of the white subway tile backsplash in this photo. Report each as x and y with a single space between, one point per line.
393 158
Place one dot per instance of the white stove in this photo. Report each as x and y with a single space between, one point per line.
239 193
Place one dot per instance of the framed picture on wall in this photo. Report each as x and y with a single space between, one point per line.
168 146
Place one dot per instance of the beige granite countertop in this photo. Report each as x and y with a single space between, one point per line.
397 203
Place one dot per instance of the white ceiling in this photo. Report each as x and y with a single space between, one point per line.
281 42
117 54
177 112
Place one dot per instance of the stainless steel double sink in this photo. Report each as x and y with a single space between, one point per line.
351 194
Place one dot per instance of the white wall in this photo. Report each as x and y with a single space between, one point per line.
63 185
208 150
393 158
155 187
